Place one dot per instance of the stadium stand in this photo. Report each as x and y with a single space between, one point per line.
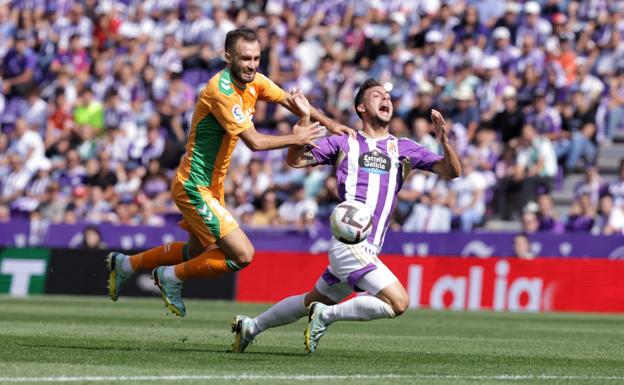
96 98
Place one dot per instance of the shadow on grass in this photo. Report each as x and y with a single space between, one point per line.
160 350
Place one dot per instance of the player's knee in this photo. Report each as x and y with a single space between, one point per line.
245 256
400 305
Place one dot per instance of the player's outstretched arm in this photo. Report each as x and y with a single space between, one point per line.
331 125
449 167
300 156
305 135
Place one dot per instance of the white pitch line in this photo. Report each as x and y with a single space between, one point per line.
305 377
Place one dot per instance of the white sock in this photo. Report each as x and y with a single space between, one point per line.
362 308
170 274
126 266
284 312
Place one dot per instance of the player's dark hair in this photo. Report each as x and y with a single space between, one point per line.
235 35
368 83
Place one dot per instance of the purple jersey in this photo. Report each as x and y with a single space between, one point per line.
372 171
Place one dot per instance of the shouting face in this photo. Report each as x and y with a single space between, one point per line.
377 104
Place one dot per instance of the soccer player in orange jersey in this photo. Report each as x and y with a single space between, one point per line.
222 114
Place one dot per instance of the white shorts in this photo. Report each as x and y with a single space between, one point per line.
353 267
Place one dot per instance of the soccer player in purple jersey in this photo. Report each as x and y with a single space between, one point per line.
370 168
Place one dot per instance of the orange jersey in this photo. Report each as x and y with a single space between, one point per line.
223 111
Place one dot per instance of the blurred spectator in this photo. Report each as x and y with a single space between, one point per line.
298 210
100 173
98 208
155 184
328 197
430 215
465 113
610 219
484 153
509 121
535 167
422 104
490 90
92 238
534 26
146 210
503 49
15 181
579 132
467 196
155 146
35 190
581 215
4 155
74 59
522 247
53 204
89 111
266 215
18 68
546 214
72 24
422 135
5 213
241 206
77 206
126 212
615 112
590 185
256 180
530 223
129 178
35 111
545 119
29 145
616 188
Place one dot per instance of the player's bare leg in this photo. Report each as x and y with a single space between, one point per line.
390 302
284 312
231 253
121 266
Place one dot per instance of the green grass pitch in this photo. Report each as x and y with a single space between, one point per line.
91 340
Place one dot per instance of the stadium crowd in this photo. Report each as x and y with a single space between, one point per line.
97 97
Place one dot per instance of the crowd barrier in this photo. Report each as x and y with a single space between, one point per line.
29 271
480 244
457 283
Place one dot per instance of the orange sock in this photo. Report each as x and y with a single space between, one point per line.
166 255
209 264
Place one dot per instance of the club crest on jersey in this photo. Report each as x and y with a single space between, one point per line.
374 162
392 149
239 115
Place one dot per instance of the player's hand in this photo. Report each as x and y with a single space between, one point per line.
340 129
439 125
300 101
306 135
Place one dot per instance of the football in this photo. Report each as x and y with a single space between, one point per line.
351 222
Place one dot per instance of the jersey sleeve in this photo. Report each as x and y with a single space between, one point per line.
327 150
419 156
267 90
229 112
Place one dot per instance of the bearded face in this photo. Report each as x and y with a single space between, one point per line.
244 61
